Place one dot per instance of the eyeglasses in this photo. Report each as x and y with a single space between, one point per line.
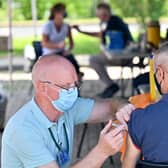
76 84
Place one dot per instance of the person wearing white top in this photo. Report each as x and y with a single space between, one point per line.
54 33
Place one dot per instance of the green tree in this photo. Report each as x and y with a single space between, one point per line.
143 10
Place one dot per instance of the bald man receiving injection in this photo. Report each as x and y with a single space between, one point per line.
41 133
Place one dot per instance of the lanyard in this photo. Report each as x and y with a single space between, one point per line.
54 140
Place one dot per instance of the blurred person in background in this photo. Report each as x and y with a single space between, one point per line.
54 34
113 24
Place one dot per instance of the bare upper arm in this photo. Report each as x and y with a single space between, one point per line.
132 154
50 165
45 39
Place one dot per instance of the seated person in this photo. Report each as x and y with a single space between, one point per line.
114 24
147 128
54 33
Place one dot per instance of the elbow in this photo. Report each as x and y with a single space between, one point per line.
71 46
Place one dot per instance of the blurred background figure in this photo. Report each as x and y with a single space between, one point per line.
54 34
117 33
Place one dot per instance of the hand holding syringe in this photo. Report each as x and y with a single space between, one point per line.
117 125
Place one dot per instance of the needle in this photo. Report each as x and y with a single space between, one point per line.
115 125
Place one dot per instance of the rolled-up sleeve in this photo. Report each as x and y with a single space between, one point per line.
81 110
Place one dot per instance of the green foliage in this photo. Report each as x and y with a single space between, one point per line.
0 3
143 10
75 9
83 44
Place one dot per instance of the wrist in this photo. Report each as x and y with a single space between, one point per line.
103 155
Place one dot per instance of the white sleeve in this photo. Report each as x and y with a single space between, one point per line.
46 29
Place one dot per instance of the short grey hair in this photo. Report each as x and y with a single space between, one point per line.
162 49
161 55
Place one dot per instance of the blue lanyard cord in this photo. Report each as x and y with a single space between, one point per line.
55 142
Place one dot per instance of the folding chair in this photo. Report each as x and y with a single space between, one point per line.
147 164
37 48
3 105
38 52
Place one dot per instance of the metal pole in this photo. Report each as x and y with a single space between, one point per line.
34 17
10 46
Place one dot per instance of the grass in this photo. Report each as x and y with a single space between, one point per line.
93 20
83 45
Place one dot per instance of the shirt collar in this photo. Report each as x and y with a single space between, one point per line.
40 116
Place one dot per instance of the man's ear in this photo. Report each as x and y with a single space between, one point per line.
41 87
160 74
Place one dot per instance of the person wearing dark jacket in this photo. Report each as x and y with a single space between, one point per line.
120 37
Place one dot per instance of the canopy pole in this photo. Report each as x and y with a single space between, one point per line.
34 17
10 47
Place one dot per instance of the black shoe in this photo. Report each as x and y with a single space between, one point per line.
109 91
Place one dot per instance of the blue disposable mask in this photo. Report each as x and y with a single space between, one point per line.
66 99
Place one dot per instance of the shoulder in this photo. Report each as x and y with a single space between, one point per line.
154 107
141 113
83 102
17 121
81 110
115 17
18 118
66 26
21 138
47 26
145 115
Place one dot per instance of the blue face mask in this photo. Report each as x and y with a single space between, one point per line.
66 99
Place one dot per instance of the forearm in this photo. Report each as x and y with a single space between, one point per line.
50 45
94 159
93 34
71 45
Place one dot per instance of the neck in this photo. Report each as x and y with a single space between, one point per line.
47 108
58 24
109 17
